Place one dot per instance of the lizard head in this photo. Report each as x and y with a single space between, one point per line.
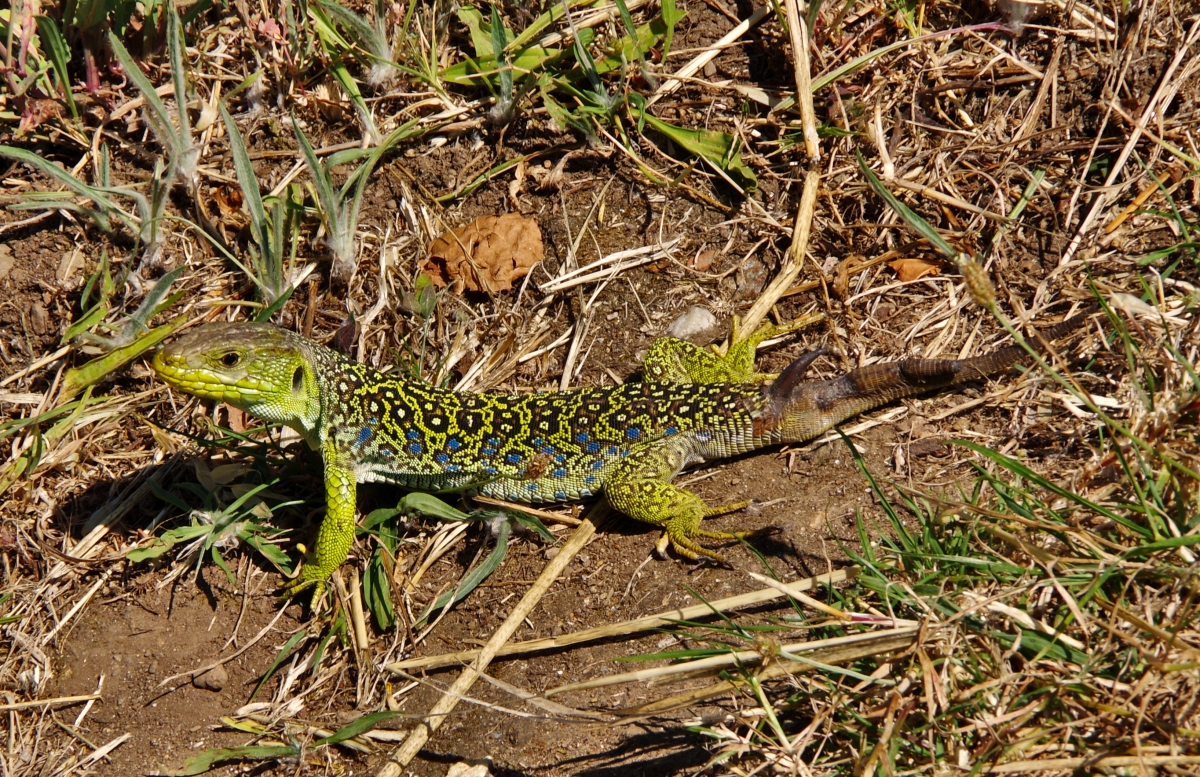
259 368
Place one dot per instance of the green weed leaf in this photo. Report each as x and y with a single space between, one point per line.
207 759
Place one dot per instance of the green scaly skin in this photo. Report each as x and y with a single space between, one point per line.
625 441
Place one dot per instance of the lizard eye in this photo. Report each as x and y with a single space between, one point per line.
231 359
298 380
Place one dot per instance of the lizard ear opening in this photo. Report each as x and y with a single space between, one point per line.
298 381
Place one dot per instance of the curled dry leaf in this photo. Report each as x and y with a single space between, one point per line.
911 269
841 277
486 255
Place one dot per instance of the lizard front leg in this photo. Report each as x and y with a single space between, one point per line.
640 487
336 535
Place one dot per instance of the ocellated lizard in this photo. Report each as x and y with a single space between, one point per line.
626 441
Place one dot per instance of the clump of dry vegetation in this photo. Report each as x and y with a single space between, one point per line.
1015 587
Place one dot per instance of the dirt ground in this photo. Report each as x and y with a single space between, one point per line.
142 629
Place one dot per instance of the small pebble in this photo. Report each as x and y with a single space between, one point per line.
212 680
694 322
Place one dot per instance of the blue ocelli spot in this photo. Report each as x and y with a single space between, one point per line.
453 444
589 480
489 470
387 452
593 447
670 430
584 493
488 451
492 441
532 487
581 437
560 458
547 449
453 467
441 458
598 463
412 434
633 432
364 434
537 441
560 495
612 450
559 472
415 448
513 458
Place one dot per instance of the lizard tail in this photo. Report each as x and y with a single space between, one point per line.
798 411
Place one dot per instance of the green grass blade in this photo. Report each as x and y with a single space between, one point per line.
499 38
266 272
426 504
377 590
1017 468
65 178
720 149
473 578
60 54
187 154
208 759
360 726
910 217
327 194
284 653
246 178
156 113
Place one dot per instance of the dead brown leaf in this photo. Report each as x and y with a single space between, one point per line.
911 269
486 255
704 260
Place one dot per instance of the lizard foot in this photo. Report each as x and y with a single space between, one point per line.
315 581
685 547
684 544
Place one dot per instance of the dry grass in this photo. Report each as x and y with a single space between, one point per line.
1048 608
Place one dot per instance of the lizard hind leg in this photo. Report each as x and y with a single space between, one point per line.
671 360
640 487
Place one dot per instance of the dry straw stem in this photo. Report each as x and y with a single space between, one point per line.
817 648
798 32
444 706
800 234
628 627
55 702
1167 86
545 515
696 64
879 645
1096 765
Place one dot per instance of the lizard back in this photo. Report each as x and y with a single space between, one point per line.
541 447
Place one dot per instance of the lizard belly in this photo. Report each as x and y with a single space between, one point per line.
419 481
